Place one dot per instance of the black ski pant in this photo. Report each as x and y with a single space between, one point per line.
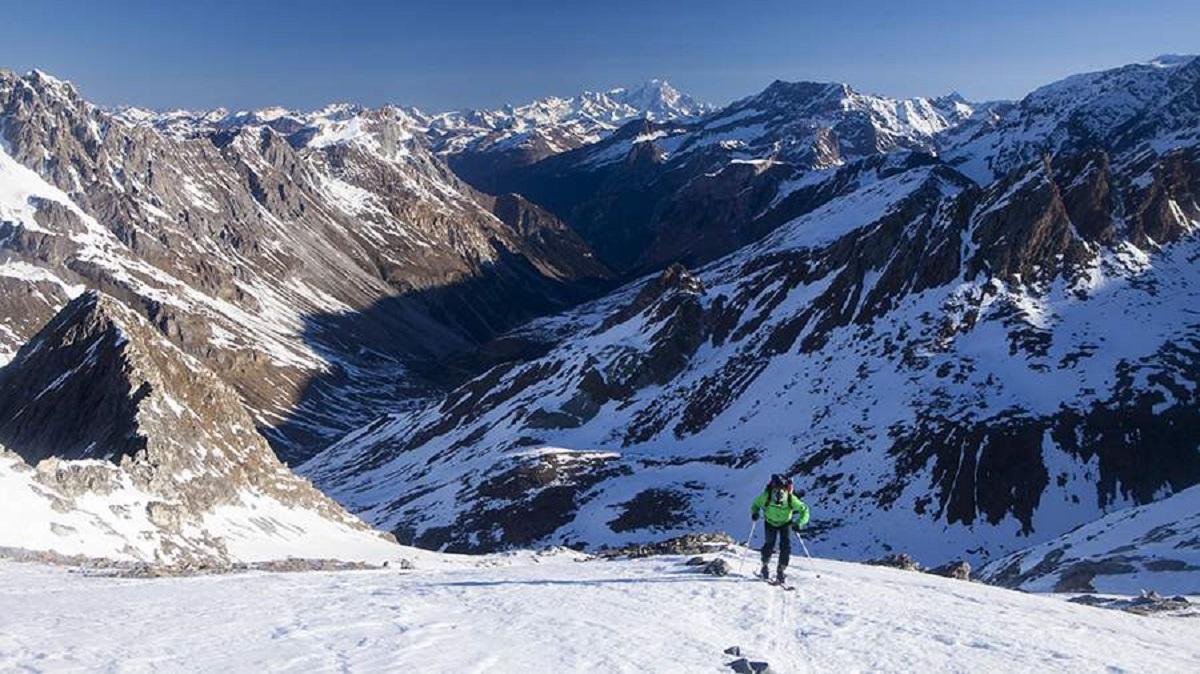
785 544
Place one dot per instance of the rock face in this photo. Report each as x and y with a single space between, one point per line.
945 367
110 412
323 264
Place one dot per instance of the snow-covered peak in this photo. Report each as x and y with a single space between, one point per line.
336 123
1171 60
916 118
553 124
50 83
659 100
812 125
1127 110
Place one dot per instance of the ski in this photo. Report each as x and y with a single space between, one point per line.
775 583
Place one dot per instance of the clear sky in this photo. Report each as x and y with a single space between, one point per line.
439 54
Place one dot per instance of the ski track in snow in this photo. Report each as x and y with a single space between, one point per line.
552 613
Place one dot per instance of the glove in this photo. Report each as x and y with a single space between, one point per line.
796 526
754 515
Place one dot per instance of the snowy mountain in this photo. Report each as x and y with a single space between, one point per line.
556 613
947 369
690 191
127 448
1133 111
477 144
320 265
1149 547
965 328
482 145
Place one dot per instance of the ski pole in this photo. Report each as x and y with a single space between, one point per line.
804 547
742 562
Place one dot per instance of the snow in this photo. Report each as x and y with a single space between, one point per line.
18 185
1156 544
340 132
559 123
116 524
29 519
844 215
526 612
27 272
1094 109
262 529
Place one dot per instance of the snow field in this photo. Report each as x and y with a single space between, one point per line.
528 612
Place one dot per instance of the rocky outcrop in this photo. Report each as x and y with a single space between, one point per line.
899 560
958 570
1147 603
687 544
109 411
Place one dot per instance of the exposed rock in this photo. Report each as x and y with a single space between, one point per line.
717 567
654 508
959 570
1078 576
1148 603
689 544
746 666
897 561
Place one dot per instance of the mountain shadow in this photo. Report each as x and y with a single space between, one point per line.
405 349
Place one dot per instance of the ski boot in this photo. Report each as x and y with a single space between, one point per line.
765 573
780 576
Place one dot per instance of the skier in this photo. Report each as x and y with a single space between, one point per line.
783 510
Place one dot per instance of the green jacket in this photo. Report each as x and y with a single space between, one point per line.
785 507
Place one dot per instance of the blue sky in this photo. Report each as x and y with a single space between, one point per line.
441 55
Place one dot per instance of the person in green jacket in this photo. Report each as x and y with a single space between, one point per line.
782 510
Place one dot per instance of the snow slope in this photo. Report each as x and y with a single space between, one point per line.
1135 109
1150 547
119 522
551 613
